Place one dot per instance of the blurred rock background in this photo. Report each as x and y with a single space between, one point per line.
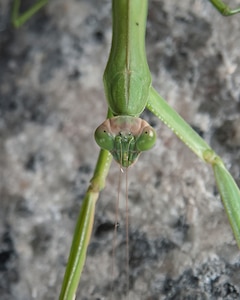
51 101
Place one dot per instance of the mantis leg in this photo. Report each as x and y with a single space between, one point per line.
84 227
224 9
228 189
19 20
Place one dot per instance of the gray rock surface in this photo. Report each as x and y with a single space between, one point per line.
51 101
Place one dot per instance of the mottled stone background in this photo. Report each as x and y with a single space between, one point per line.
51 101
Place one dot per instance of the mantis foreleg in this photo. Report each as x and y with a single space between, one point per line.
228 189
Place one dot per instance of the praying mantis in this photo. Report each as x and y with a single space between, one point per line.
155 96
129 91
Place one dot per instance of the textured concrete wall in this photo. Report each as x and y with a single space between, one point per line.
51 101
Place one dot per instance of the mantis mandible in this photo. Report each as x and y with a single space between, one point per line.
155 104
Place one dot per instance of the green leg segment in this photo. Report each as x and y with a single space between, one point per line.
224 9
229 191
230 196
83 229
19 20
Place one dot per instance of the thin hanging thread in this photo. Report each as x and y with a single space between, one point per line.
116 224
127 232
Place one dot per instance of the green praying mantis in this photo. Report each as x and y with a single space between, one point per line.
126 79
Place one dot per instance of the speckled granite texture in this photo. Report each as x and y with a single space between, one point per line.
51 101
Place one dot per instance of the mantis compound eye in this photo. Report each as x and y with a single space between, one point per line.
104 138
125 137
146 139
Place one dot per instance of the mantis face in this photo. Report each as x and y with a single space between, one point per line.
125 137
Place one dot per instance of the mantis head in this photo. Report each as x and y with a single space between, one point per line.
125 137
